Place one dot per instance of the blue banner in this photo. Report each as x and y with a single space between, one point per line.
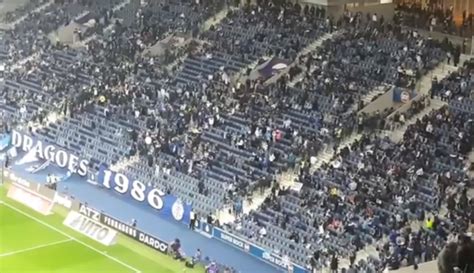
166 205
35 149
5 141
275 260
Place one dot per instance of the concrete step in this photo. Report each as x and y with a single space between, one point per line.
216 19
328 154
316 44
422 268
22 62
397 134
242 76
51 117
367 98
124 163
374 93
440 72
311 48
22 18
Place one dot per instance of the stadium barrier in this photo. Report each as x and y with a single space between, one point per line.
56 197
30 198
162 246
126 229
203 228
92 229
62 200
283 263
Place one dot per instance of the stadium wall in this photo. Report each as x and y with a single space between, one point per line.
146 220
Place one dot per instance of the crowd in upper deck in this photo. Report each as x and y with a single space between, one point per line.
213 140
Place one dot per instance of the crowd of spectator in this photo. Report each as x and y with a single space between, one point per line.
400 118
433 17
374 189
21 11
213 141
32 36
445 135
372 54
456 86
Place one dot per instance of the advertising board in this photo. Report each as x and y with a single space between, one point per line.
125 229
90 228
30 198
258 252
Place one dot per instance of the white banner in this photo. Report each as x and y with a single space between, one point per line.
30 198
90 228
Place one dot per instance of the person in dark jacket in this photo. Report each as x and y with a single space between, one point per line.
416 249
451 203
334 263
315 260
352 257
471 215
465 254
434 87
447 258
463 201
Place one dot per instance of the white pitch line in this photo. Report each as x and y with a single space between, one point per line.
71 237
34 248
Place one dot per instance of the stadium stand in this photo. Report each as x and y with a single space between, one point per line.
434 18
202 132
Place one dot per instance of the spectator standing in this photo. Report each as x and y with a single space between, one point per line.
463 201
457 55
334 263
314 261
434 87
198 255
352 257
7 161
416 250
451 203
466 254
192 220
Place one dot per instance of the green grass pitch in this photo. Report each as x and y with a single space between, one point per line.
31 242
